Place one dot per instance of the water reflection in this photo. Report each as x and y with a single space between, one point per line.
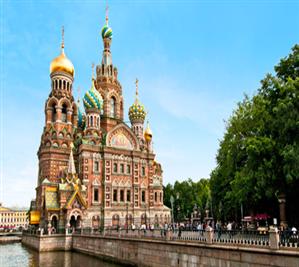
16 255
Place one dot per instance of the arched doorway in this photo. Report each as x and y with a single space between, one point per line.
54 222
73 222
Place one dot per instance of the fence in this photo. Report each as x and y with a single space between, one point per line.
272 239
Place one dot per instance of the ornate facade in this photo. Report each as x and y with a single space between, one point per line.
94 169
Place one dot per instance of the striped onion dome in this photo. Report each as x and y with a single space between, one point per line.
106 32
92 99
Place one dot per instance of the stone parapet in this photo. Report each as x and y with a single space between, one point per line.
143 251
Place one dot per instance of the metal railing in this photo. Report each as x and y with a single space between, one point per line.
233 238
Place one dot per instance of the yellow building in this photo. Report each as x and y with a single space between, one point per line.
11 219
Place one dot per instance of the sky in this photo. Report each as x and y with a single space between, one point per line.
195 60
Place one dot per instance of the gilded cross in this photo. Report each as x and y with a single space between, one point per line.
136 83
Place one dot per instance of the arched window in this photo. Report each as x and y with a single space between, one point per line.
56 84
64 87
59 84
112 107
53 119
91 121
64 112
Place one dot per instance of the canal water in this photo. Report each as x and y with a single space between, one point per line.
17 255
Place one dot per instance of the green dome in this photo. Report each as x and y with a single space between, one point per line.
92 99
106 32
137 112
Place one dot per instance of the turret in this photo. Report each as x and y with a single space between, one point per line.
137 115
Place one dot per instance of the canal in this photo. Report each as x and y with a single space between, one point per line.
17 255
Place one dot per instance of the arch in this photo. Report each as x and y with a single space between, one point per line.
54 221
64 145
65 101
112 107
51 101
122 129
61 134
55 144
48 143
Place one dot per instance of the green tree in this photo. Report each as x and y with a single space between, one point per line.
258 158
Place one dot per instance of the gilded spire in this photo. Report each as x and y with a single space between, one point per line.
62 39
107 9
136 83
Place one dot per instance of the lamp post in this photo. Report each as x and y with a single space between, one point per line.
127 217
171 201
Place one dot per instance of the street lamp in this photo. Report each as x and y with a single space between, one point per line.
127 218
172 201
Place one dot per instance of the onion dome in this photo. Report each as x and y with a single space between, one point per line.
62 63
81 119
148 135
92 98
137 111
106 32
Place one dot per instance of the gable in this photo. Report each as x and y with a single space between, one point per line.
122 137
76 201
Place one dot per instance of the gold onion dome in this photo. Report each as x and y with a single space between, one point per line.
148 135
62 63
137 111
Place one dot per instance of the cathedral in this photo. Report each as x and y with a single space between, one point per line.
94 169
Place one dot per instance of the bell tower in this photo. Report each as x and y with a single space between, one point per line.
108 85
60 120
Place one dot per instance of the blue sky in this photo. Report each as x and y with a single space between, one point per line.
194 61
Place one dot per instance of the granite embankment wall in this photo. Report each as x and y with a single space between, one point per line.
48 242
162 253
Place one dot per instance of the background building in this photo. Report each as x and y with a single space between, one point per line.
13 218
94 169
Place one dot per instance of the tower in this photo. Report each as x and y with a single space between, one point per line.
108 85
93 104
137 115
61 119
